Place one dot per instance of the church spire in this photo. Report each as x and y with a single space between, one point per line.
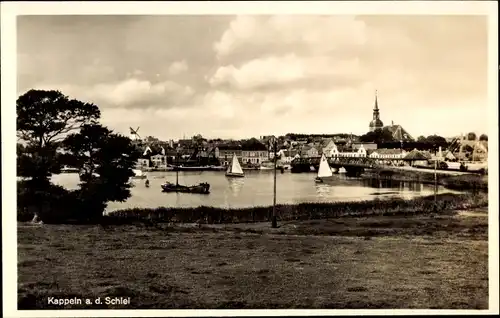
376 123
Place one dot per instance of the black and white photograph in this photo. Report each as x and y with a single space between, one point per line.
214 156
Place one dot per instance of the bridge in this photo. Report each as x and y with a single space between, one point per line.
351 164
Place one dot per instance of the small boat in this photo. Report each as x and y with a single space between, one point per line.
191 168
234 170
324 170
66 169
202 188
138 174
251 167
217 168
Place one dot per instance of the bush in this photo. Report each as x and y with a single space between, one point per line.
47 200
55 204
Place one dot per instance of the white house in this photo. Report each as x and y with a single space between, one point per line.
332 151
388 154
142 163
286 156
311 152
159 161
253 156
366 145
147 151
360 153
330 148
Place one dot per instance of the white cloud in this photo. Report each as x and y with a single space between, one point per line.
275 71
320 34
178 67
129 93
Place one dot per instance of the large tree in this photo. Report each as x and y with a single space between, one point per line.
106 160
44 118
471 136
378 136
483 137
436 141
421 139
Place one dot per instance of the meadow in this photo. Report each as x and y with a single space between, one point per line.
412 261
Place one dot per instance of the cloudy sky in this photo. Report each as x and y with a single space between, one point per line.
243 76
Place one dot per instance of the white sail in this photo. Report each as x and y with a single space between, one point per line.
235 166
324 168
137 172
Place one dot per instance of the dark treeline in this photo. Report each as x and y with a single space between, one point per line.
295 137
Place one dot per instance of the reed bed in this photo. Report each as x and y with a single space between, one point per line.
302 211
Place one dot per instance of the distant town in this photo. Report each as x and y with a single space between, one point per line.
380 142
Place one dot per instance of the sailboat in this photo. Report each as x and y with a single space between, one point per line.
324 170
234 170
138 174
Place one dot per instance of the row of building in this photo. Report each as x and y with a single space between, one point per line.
258 153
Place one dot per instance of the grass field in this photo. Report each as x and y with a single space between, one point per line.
371 262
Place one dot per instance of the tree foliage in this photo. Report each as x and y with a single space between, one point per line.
44 118
471 136
483 137
377 136
252 144
468 148
105 160
437 141
47 116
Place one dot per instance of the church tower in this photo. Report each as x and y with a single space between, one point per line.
376 123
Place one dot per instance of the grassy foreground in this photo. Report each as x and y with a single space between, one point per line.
399 261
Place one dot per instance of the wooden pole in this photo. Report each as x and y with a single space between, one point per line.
435 184
274 223
177 169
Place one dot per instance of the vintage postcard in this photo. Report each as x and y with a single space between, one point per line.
279 158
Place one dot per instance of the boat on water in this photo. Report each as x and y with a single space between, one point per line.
197 168
66 169
202 188
234 169
217 168
251 168
324 171
138 174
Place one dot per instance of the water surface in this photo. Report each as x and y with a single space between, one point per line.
256 189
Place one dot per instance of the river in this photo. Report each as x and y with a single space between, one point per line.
256 189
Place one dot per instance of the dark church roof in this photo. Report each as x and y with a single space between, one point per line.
399 133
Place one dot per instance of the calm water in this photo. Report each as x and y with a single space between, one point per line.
256 189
